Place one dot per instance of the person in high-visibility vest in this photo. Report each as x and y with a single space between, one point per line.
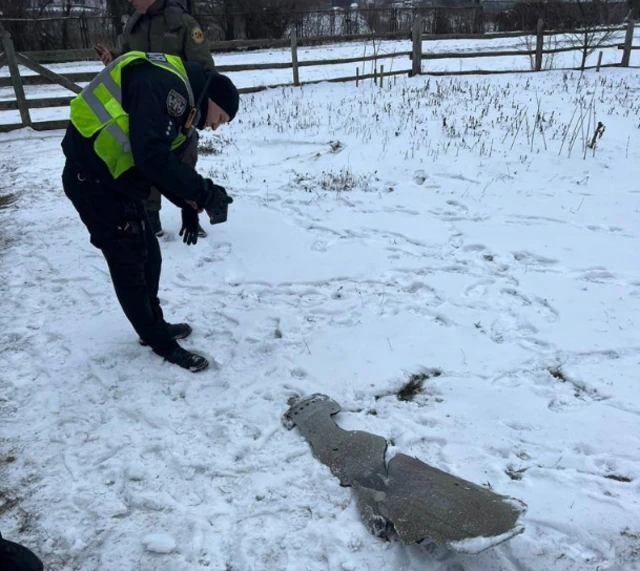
127 130
163 26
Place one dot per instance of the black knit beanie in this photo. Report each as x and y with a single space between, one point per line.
223 92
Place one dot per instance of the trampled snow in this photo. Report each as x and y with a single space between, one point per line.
454 227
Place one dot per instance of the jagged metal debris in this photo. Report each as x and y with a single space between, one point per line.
416 500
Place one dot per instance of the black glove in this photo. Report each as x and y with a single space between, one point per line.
218 203
189 225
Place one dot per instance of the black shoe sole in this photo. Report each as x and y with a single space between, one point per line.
200 367
194 368
176 338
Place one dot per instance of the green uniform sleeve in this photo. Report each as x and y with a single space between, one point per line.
117 52
124 47
195 43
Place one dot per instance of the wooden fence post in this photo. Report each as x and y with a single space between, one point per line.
416 36
599 61
16 80
294 57
381 75
539 44
628 42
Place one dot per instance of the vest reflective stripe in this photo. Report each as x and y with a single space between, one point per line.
98 109
114 93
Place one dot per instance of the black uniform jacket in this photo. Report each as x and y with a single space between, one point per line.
157 103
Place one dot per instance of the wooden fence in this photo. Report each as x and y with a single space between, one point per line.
415 57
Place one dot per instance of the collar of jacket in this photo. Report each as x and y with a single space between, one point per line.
156 8
197 78
172 10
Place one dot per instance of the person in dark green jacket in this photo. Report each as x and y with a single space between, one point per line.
163 26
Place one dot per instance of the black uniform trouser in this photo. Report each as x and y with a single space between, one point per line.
119 227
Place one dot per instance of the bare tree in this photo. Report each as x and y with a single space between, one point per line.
524 15
252 19
219 14
42 5
66 12
115 10
528 43
595 28
13 10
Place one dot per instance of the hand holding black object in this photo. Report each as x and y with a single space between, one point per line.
218 203
189 225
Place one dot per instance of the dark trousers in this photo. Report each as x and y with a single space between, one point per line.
119 227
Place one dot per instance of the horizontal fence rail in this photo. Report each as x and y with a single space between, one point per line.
534 48
88 54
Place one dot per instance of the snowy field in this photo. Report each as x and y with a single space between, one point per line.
457 229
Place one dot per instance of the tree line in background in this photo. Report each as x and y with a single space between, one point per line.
65 24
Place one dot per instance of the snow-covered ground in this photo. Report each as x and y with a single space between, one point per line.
434 226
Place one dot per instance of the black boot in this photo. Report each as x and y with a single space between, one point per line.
156 225
15 557
186 359
176 331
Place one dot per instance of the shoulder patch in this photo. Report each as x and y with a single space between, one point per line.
176 103
197 35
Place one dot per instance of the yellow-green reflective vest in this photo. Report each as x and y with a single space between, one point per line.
98 107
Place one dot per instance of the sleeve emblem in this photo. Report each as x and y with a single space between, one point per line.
176 104
197 35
